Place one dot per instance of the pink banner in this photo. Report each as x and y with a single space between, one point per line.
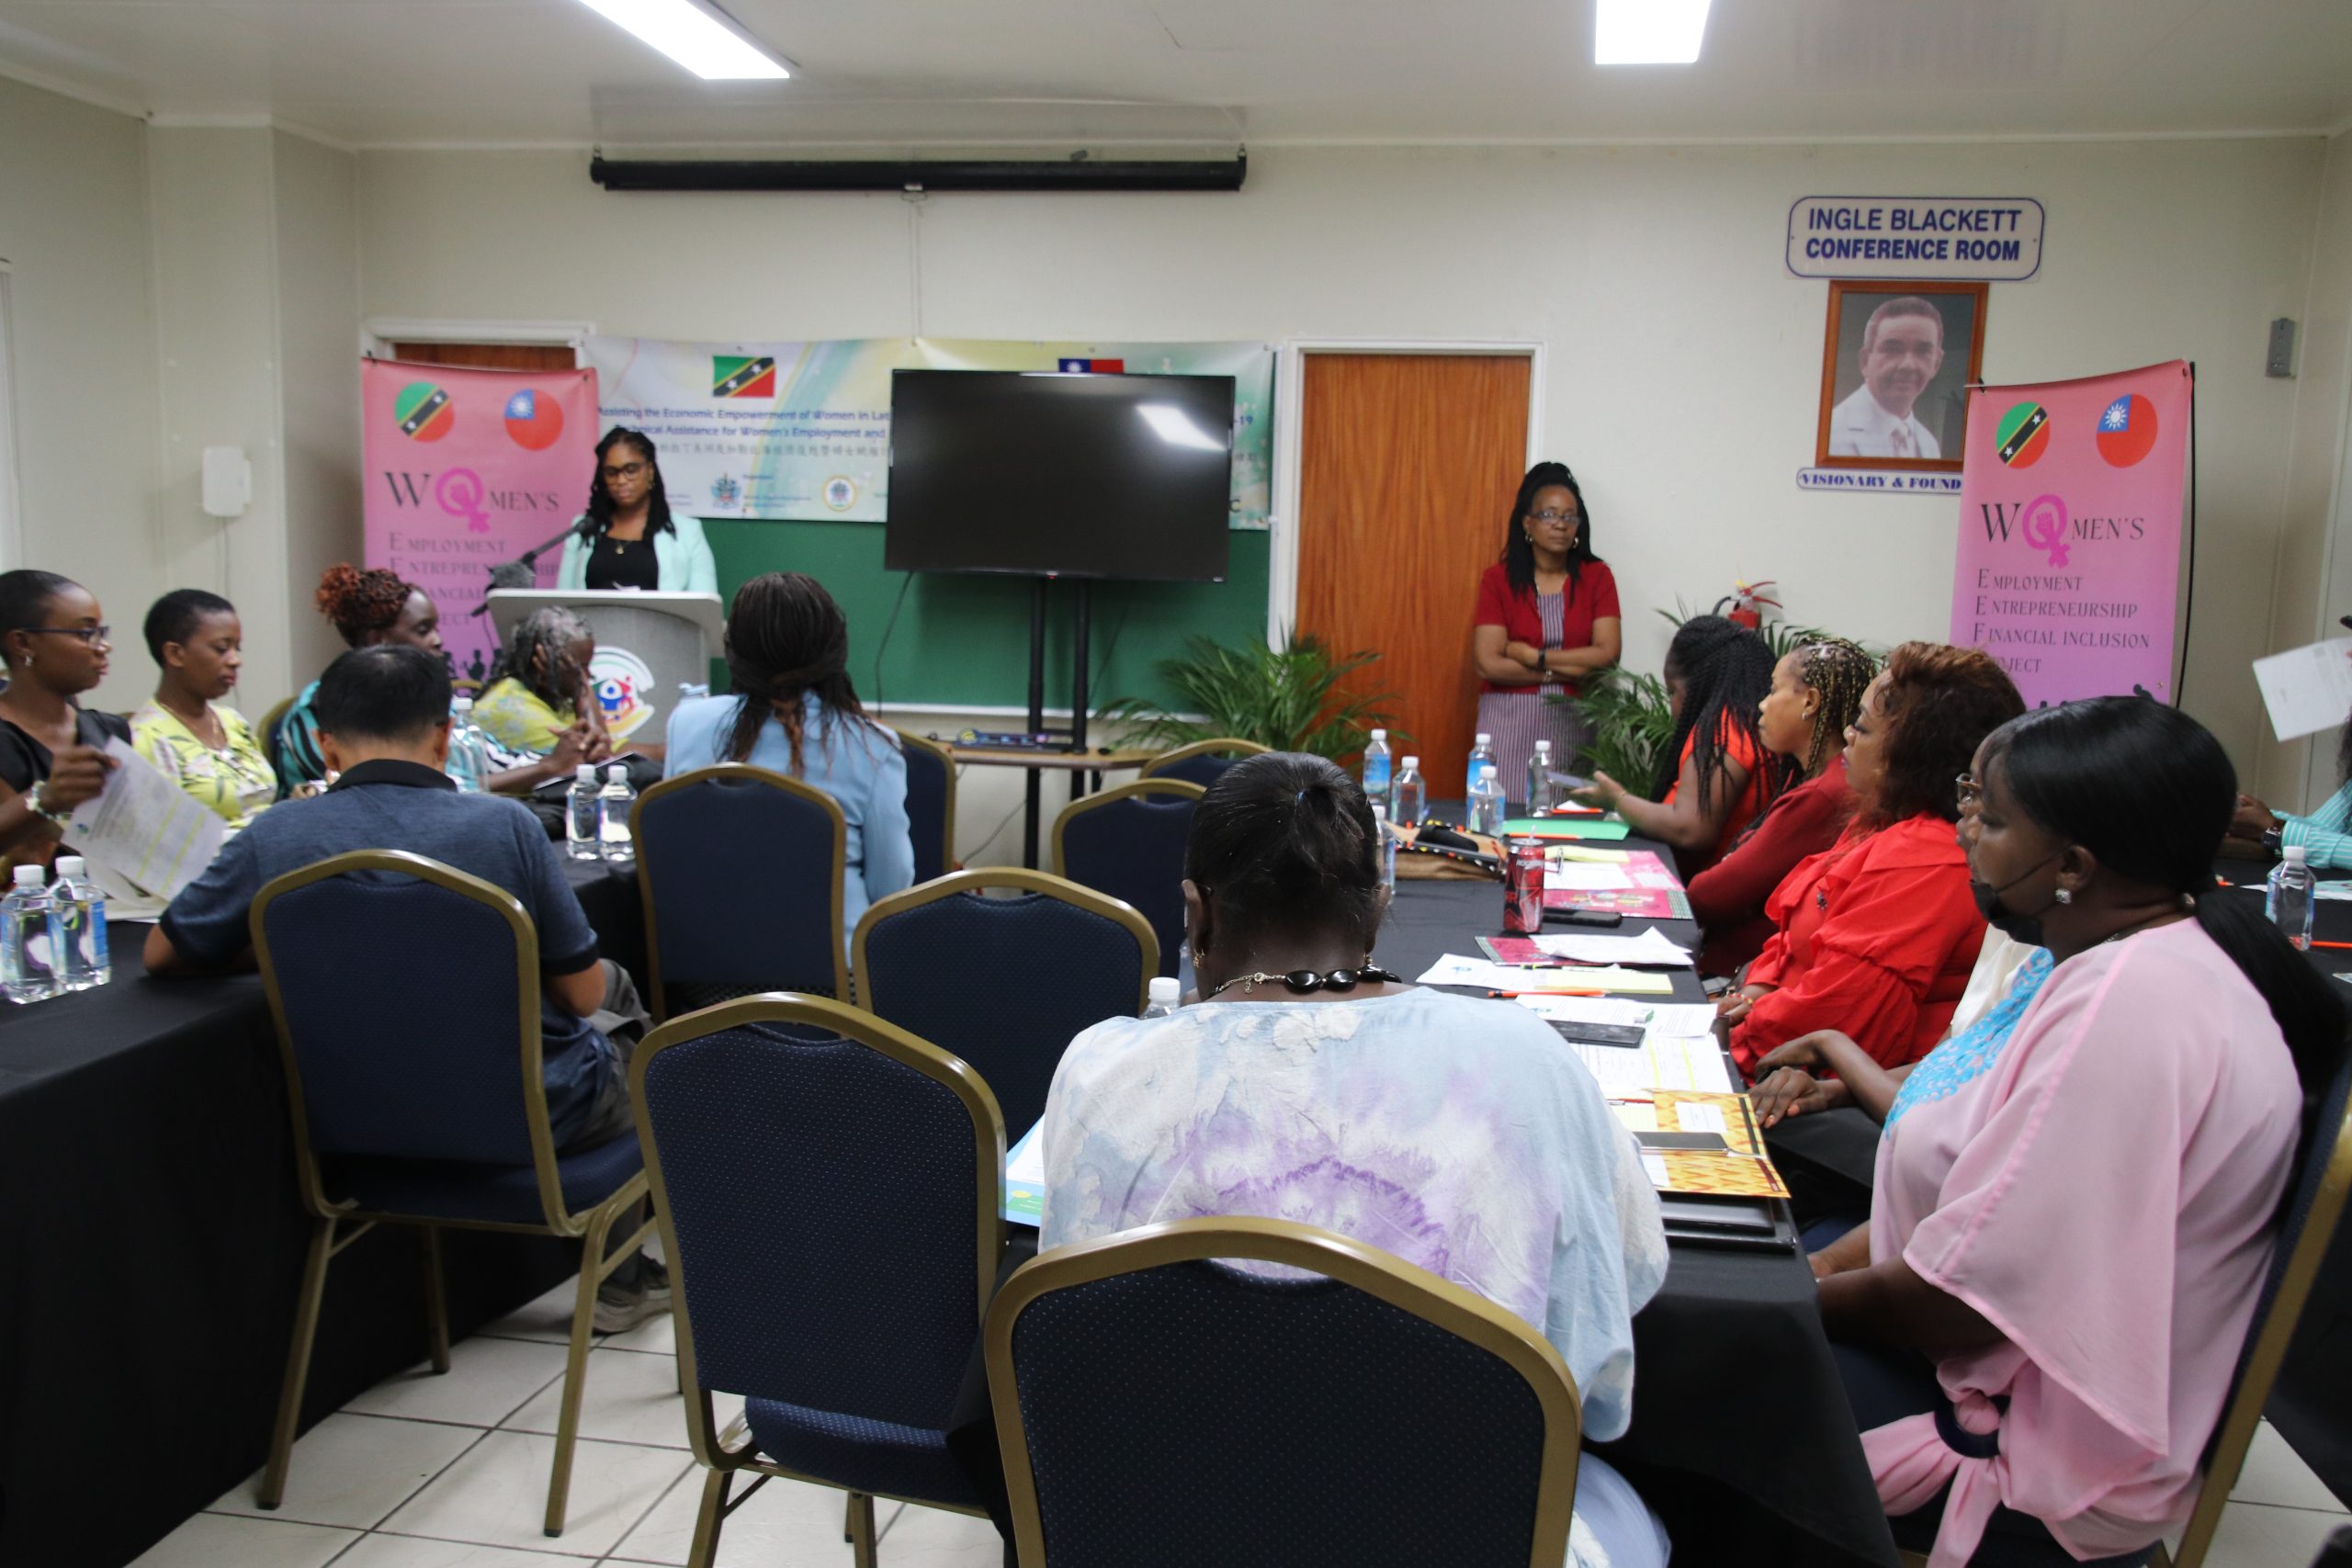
2070 515
466 469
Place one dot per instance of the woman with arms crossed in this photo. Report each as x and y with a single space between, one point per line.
1547 617
2070 1227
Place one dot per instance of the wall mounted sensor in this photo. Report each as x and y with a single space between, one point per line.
228 481
2281 361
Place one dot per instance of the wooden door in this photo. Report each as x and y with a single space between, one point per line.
489 356
1408 463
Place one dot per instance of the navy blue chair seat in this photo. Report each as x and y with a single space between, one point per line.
1203 762
480 1194
1005 984
858 1454
931 803
1128 842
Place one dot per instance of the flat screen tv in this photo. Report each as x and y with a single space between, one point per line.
1060 475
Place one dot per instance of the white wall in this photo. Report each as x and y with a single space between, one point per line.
1684 363
73 230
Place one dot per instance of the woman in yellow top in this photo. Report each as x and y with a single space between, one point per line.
204 745
540 686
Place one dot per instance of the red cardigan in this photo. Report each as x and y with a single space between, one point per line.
1728 899
1875 937
1591 595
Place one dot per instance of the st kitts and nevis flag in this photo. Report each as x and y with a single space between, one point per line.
735 375
2024 434
424 411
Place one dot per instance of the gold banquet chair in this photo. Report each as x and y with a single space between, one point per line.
425 1104
1204 761
1369 1411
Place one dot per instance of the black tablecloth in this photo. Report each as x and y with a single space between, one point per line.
1741 1438
153 1241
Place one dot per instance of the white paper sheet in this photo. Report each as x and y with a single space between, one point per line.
1584 878
2307 689
1664 1020
1027 1160
1652 947
145 828
1701 1118
1454 969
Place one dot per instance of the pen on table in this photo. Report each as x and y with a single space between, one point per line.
1631 1100
1512 994
2345 945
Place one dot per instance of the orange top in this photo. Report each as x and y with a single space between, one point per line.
1741 748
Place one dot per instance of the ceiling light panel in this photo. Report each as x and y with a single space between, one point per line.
695 38
1647 33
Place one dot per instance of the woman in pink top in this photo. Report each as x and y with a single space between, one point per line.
2039 1324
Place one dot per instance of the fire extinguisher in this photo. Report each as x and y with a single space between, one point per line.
1744 605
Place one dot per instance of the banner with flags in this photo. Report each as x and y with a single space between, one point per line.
802 430
466 469
2070 532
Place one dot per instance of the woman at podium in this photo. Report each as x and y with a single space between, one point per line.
628 537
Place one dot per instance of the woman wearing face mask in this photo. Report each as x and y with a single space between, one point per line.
2071 1223
1877 936
1816 691
200 743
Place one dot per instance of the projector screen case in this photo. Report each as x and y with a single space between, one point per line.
1055 475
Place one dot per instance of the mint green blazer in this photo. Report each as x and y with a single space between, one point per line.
683 557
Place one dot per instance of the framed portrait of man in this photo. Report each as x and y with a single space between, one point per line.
1895 368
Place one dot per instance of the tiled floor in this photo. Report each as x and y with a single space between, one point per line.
425 1471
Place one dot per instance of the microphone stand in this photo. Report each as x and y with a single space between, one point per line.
518 572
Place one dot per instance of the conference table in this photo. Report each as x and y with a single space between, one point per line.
153 1240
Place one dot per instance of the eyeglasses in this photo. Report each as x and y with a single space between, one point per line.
87 634
1972 794
625 471
1553 517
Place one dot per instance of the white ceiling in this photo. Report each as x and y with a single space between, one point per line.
914 73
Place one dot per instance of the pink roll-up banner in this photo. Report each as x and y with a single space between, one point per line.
468 469
2070 532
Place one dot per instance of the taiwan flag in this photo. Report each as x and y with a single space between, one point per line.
1095 367
2127 430
534 419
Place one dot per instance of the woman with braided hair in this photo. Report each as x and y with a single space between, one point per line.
540 688
1717 777
1816 691
792 711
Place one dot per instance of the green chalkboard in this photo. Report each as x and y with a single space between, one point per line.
963 640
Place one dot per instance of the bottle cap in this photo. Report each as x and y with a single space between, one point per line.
72 865
617 773
585 773
1166 990
2296 854
1380 735
28 876
1485 769
1542 748
1412 761
1485 739
461 705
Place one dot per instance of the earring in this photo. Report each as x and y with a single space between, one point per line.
2066 896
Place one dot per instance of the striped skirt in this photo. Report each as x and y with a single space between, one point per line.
1519 719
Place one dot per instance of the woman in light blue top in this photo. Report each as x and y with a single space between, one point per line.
632 539
2326 834
793 712
1305 1084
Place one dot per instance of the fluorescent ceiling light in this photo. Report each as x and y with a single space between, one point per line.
1173 425
1647 32
694 37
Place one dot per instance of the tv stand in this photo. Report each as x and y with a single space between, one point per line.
1083 632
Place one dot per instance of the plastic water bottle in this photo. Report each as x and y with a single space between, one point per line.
1377 769
1482 751
1166 992
1487 802
1387 845
29 939
469 751
1539 779
1408 799
82 926
583 833
2290 902
612 802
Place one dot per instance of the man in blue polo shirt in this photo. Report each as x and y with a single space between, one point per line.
384 724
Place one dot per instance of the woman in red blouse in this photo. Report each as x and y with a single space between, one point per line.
1547 617
1716 777
1876 936
1816 691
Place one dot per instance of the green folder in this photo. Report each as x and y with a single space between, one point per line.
1564 828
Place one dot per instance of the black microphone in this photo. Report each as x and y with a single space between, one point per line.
518 573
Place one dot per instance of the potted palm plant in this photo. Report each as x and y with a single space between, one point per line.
1285 698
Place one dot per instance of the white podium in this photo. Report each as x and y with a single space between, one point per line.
647 645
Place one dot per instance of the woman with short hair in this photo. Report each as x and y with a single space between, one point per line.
1876 936
199 741
2072 1220
793 711
1308 1084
